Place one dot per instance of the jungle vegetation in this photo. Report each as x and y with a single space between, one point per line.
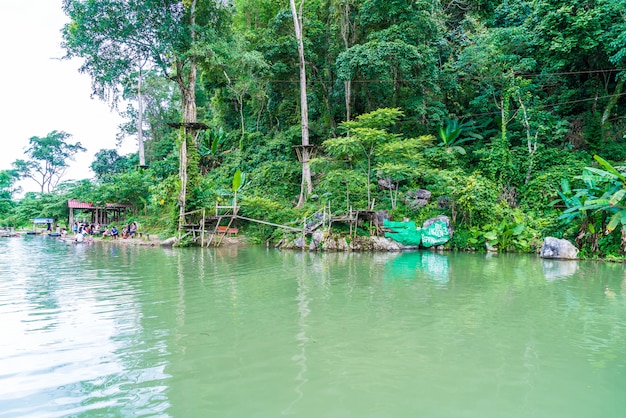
509 111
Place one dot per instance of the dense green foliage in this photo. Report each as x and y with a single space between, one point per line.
487 104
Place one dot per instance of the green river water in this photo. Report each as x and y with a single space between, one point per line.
107 330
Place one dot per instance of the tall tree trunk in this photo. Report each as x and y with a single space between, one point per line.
530 141
306 186
188 94
348 97
142 155
347 35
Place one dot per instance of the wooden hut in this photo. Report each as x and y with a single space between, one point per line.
103 215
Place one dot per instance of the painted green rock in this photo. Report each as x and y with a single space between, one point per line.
435 234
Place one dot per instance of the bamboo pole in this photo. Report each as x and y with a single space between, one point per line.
269 223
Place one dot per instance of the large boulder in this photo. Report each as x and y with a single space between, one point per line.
440 218
384 244
435 235
436 231
558 248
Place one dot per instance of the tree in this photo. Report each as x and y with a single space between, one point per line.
8 178
344 14
364 135
108 162
583 35
115 36
397 64
244 75
306 187
48 159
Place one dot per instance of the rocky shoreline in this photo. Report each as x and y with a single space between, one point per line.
324 241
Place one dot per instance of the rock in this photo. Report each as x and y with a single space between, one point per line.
436 234
384 244
169 242
299 242
416 199
333 243
381 217
436 231
443 203
558 248
386 184
440 218
316 239
317 218
375 244
405 233
490 248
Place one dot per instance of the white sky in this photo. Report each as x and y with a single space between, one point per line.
40 94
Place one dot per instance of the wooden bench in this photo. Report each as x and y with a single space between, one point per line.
224 230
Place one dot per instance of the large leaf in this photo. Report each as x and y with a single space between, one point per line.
458 149
608 167
617 197
565 187
600 175
518 229
616 219
237 180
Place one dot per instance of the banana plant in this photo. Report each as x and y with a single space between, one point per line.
208 145
450 136
602 197
577 207
612 201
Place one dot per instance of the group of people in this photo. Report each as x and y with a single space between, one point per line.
84 231
128 231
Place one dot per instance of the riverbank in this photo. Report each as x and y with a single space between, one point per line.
318 243
152 240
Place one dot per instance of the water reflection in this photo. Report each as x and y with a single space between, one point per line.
69 344
558 269
301 337
412 265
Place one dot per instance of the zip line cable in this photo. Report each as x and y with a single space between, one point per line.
408 80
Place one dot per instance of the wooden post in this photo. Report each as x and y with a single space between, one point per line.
330 216
203 223
303 233
350 220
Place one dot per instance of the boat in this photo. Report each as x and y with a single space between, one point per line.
8 233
